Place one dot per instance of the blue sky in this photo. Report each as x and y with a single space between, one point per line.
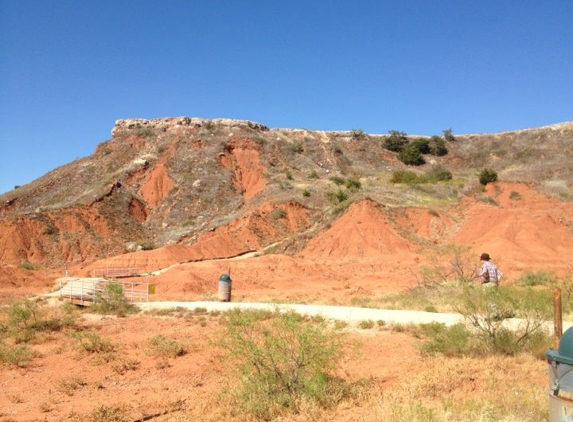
69 69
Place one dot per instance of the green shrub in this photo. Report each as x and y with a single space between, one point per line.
514 195
411 155
112 301
487 176
337 149
353 184
69 385
485 309
448 136
312 175
295 147
337 180
438 175
91 342
28 266
145 245
404 176
15 355
484 331
288 175
421 144
396 141
26 318
453 341
437 146
145 132
539 278
279 213
166 347
357 133
340 196
365 325
306 193
282 358
487 199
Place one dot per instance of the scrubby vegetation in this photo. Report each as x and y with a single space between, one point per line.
434 175
112 301
283 360
26 322
487 176
412 152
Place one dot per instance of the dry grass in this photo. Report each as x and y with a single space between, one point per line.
445 390
491 389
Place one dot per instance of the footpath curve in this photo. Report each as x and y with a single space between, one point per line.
352 315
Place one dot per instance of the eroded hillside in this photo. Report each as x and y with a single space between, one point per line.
185 190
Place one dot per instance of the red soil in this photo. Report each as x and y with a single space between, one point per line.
367 251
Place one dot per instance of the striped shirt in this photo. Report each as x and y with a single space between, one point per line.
494 273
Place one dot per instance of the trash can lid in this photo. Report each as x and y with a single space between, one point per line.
224 277
565 352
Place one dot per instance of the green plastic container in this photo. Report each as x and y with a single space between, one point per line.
561 379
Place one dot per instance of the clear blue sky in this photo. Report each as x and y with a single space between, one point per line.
70 68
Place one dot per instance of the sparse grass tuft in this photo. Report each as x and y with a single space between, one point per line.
28 266
366 325
160 345
105 413
279 213
337 180
18 355
91 342
69 385
514 195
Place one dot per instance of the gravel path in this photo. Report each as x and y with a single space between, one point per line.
343 313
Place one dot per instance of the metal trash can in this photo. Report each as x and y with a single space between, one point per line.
225 288
561 379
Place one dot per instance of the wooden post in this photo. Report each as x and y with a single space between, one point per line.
557 317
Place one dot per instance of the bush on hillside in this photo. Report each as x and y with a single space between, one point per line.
438 146
422 144
438 174
337 180
353 184
404 176
487 176
396 141
411 155
434 175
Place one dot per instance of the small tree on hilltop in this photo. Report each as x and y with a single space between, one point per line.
448 136
438 146
396 141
